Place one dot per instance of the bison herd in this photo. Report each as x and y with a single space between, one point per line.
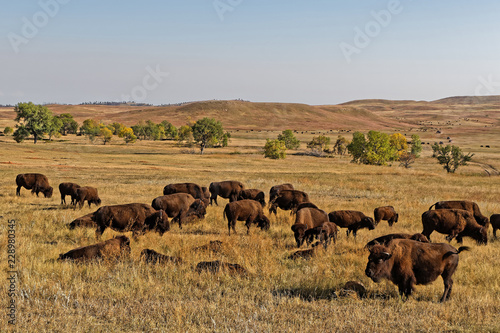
405 259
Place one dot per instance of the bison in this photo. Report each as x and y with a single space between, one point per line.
287 200
152 257
384 240
191 188
386 213
135 217
229 189
454 223
352 220
217 266
83 221
245 210
36 182
407 263
276 189
68 189
495 223
180 206
325 233
465 205
111 248
253 194
89 194
307 218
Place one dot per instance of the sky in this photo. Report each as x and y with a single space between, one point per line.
314 52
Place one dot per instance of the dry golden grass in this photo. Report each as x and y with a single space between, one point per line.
279 294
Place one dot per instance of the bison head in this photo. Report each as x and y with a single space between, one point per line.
368 222
264 223
48 192
378 266
158 222
481 236
124 243
198 209
299 231
483 220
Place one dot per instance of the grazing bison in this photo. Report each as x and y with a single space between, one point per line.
191 188
83 221
35 182
152 257
217 266
384 240
276 189
180 207
454 223
465 205
307 218
135 217
287 200
253 194
352 220
68 189
325 233
495 223
245 210
386 213
89 194
229 189
408 263
112 248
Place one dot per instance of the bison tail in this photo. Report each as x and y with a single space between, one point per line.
224 214
463 248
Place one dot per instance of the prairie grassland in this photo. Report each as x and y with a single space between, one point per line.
279 294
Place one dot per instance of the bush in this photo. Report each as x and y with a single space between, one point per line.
450 157
319 144
8 130
275 149
291 142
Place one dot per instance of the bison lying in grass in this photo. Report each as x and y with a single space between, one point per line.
110 249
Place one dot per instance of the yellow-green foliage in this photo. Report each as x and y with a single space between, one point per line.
279 294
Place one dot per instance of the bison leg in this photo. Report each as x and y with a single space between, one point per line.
18 191
99 231
231 224
63 199
213 199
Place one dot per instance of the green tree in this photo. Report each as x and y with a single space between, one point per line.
416 145
128 135
54 127
275 149
319 144
450 157
185 133
8 130
379 149
90 128
170 130
340 146
105 134
207 132
33 120
357 147
399 143
69 125
116 128
291 142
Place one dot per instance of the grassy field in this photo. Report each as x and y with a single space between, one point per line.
279 294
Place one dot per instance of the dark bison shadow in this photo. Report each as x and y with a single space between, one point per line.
316 294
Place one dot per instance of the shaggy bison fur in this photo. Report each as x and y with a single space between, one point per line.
89 194
352 220
229 189
112 248
245 210
68 189
180 207
386 213
36 182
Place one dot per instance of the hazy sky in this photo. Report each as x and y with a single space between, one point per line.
314 52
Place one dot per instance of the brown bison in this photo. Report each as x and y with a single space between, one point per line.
36 182
89 194
191 188
135 217
112 248
206 194
152 257
287 200
407 263
386 213
68 189
384 240
495 223
229 189
83 221
465 205
218 266
253 194
276 189
454 223
213 246
306 205
352 220
245 210
180 207
325 233
307 218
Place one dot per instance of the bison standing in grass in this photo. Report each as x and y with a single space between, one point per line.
245 210
36 182
465 205
307 218
408 263
352 220
288 200
112 248
325 233
89 194
135 217
68 189
191 188
386 213
229 189
253 194
495 223
180 206
276 189
454 223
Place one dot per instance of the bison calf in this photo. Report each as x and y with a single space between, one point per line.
245 210
83 221
325 233
386 213
307 218
408 263
89 194
112 248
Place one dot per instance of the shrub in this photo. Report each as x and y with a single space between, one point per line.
275 149
291 142
450 157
